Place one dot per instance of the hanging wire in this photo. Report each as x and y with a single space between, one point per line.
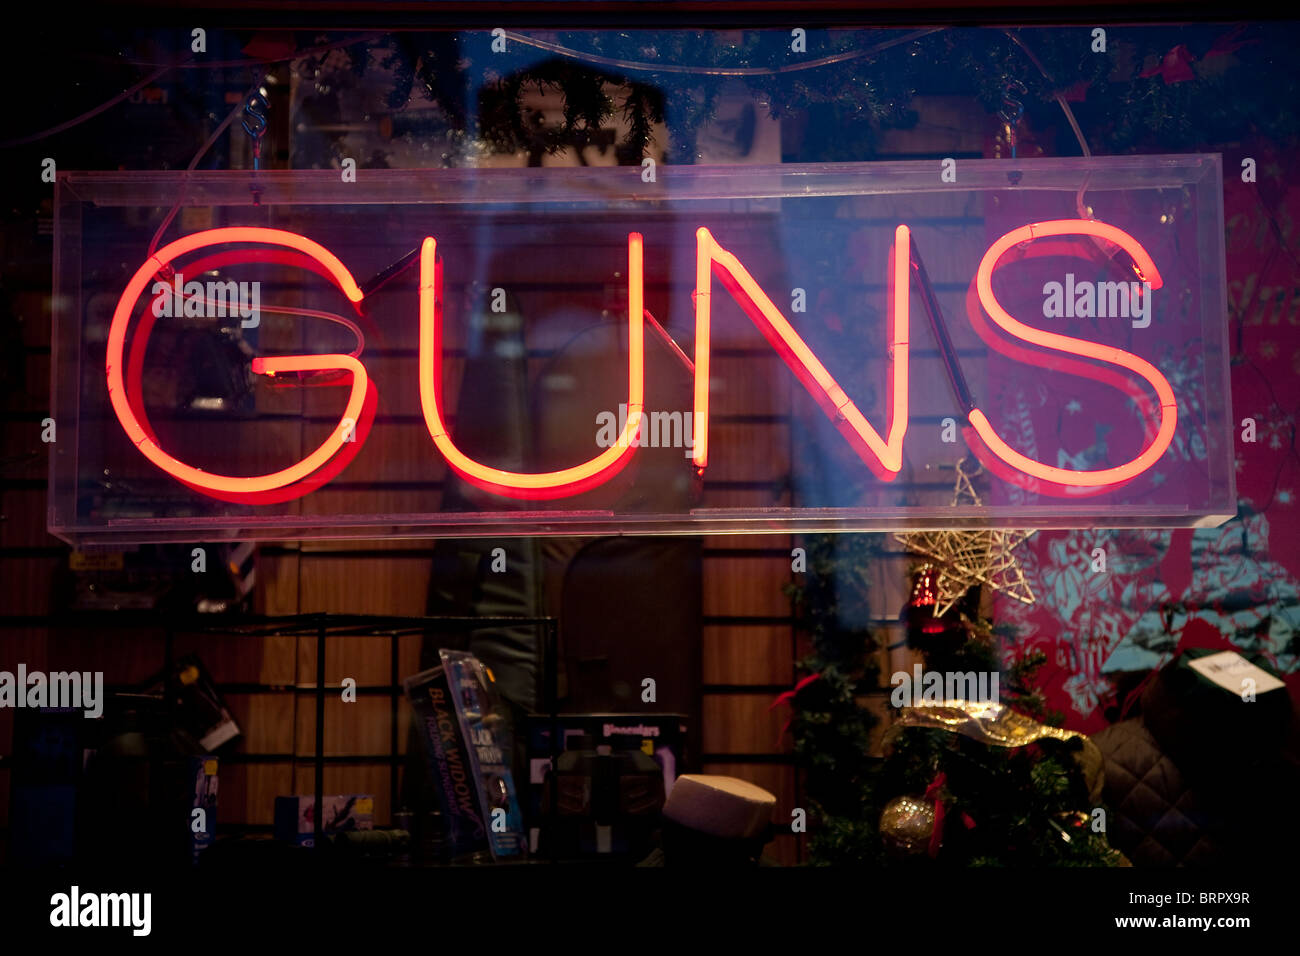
88 115
1107 250
1079 206
189 64
192 64
1013 108
157 236
642 66
1057 95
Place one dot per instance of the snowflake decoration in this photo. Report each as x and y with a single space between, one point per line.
1276 425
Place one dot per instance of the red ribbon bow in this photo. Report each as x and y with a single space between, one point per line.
1174 67
932 793
788 696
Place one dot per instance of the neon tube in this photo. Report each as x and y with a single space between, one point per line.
125 401
1105 478
538 485
135 395
883 456
1107 375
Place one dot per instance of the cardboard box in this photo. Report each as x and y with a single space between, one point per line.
295 820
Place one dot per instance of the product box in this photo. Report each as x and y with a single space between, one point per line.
609 829
468 742
203 772
295 816
49 747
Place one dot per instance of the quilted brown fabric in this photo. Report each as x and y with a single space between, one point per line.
1157 818
1202 778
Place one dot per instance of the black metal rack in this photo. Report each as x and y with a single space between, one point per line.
324 626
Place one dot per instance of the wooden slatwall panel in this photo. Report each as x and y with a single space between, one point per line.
325 579
29 557
749 651
749 645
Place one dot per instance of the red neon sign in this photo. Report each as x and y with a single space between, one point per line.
553 484
1004 460
884 456
296 480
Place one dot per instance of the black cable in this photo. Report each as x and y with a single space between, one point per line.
163 68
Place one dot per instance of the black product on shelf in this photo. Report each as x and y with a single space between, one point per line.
611 777
200 710
48 748
600 804
140 787
157 577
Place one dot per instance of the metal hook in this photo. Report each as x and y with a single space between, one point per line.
1013 108
254 123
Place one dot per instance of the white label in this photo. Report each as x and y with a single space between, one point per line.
1228 669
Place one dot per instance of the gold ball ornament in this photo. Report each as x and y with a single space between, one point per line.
906 825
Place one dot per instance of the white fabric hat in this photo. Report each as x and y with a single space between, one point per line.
723 807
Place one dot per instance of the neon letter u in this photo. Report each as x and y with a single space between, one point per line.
538 485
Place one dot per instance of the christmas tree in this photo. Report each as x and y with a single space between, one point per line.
938 795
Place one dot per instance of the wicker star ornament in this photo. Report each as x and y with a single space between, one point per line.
969 558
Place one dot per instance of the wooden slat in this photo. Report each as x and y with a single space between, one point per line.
329 501
31 309
22 519
277 584
718 495
749 452
265 722
742 723
746 587
385 586
247 792
29 585
759 654
27 457
392 452
361 727
779 544
750 385
364 659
